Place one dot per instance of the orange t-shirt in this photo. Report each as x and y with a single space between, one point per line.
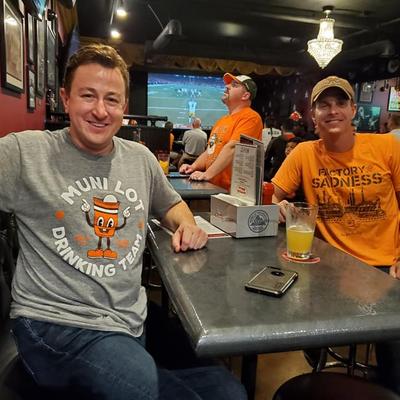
355 191
228 128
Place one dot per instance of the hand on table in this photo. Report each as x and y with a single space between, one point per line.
198 176
282 210
186 169
188 237
395 270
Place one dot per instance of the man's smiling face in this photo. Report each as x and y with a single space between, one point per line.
95 104
333 112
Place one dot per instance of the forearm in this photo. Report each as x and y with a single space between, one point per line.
223 160
176 215
200 163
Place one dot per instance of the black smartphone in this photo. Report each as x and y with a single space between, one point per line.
272 281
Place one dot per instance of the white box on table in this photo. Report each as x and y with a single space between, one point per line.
241 220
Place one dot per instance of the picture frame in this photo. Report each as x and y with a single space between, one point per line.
393 100
366 93
31 88
51 58
12 48
367 118
30 38
40 57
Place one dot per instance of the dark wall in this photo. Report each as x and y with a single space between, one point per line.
138 93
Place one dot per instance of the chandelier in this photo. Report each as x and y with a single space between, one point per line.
325 46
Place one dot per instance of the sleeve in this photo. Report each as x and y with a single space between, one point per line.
163 196
395 162
251 126
288 176
10 167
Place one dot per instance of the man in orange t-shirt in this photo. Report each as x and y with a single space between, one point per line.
355 180
215 164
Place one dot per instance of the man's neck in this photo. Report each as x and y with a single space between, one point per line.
339 143
236 108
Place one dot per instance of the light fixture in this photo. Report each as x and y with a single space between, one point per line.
115 34
325 46
121 11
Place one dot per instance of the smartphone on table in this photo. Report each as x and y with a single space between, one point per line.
272 281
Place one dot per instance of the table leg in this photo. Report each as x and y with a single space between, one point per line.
249 373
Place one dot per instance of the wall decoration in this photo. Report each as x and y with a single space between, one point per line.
51 58
394 100
31 92
12 48
367 118
40 57
30 38
366 92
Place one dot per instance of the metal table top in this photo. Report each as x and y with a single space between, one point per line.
338 301
190 190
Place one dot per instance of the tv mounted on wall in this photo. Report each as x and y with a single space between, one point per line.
181 97
394 99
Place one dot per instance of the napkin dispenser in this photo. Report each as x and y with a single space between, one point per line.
241 219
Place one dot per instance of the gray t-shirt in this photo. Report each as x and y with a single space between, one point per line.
80 259
195 141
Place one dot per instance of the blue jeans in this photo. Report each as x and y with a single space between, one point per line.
388 360
111 365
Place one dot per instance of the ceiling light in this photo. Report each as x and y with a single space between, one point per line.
115 34
325 46
121 11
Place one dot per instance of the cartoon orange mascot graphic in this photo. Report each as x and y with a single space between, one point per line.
105 223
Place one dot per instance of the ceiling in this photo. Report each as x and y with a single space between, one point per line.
265 32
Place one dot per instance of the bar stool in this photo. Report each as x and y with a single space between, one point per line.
332 386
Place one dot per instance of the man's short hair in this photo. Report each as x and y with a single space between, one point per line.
96 53
169 125
288 125
394 120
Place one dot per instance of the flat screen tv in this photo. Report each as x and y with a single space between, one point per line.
181 97
394 100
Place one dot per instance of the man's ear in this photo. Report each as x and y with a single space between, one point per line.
65 99
246 96
354 109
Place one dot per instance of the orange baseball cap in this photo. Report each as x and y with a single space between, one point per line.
245 80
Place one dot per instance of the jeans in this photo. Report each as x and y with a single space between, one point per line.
112 365
388 360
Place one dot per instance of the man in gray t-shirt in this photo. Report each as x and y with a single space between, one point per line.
194 141
82 199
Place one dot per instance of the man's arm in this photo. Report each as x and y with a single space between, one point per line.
198 165
279 197
223 159
187 236
395 268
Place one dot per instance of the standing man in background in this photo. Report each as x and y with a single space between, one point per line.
215 163
394 124
194 141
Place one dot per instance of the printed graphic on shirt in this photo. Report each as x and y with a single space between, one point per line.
354 208
105 223
215 139
78 249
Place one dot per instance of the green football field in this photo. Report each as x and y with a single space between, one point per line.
180 104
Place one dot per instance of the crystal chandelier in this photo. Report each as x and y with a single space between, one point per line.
325 46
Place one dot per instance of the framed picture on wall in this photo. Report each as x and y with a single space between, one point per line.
12 47
366 92
394 100
40 57
51 58
367 118
31 85
30 38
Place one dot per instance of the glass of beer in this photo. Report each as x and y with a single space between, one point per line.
300 226
163 159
